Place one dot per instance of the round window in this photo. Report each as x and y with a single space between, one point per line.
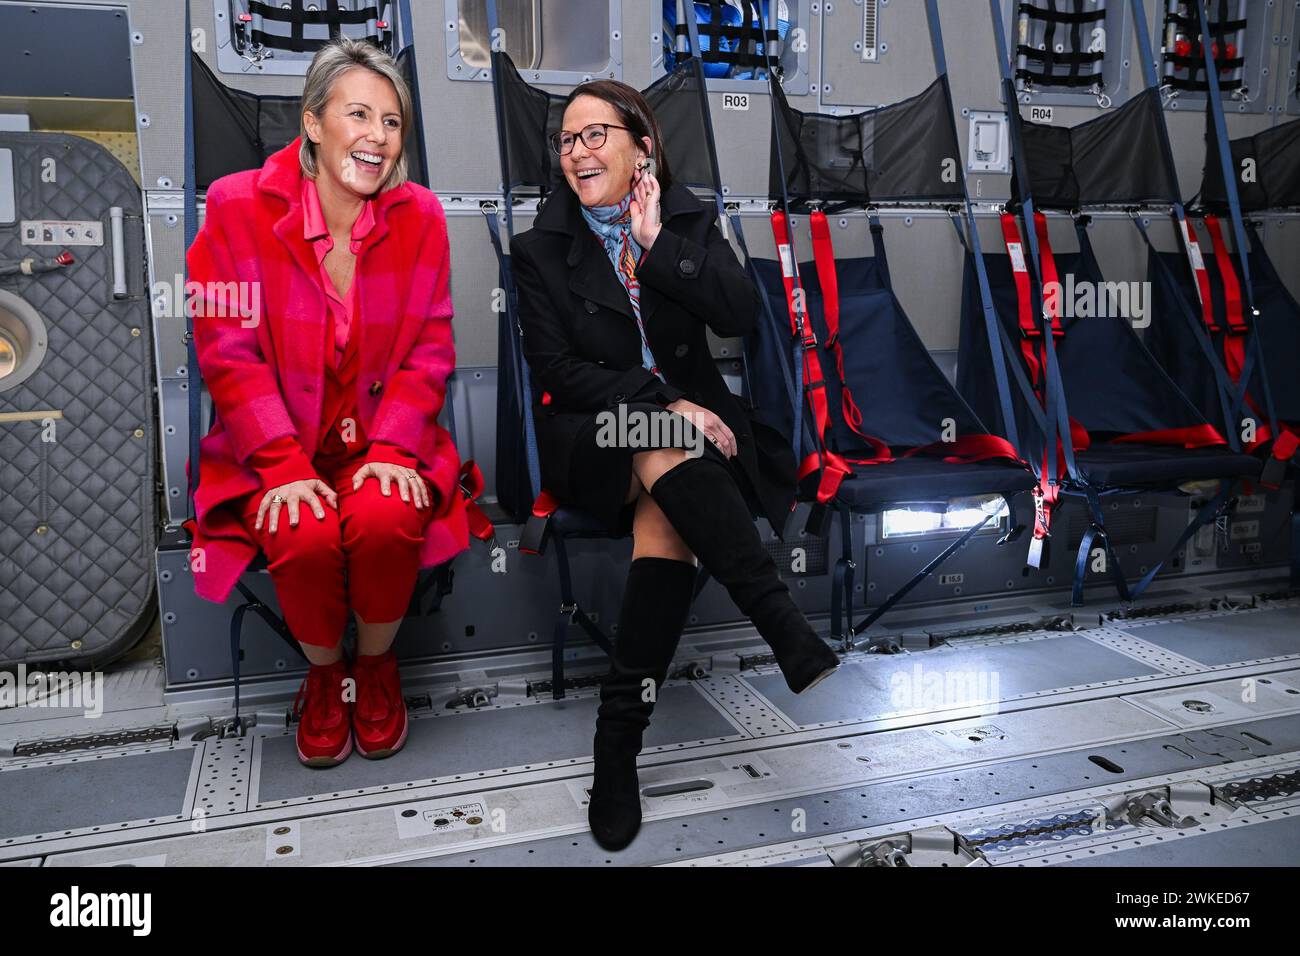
22 340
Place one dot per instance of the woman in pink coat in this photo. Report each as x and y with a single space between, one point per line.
326 454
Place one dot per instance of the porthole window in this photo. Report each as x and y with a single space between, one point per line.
559 42
22 340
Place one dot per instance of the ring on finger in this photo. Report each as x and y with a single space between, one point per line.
277 499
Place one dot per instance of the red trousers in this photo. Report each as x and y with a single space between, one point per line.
365 556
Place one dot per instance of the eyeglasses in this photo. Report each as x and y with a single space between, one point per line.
593 137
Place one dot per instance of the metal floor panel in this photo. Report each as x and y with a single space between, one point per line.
1272 843
369 827
882 685
1226 638
49 798
1056 829
455 744
862 752
680 838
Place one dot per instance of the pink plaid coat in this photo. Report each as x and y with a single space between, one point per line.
266 370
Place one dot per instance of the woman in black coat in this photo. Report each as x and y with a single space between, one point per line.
615 289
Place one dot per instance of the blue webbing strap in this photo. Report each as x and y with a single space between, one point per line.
1057 419
797 339
1234 208
877 230
1232 396
507 276
523 391
1097 529
1295 546
194 379
842 579
1199 335
793 378
408 36
991 324
1203 517
917 578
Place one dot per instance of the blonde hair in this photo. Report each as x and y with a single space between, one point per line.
332 61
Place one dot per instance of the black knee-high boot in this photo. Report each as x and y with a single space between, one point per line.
656 602
702 501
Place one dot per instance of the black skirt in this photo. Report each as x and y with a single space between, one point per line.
600 474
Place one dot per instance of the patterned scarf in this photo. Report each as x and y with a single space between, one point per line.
613 226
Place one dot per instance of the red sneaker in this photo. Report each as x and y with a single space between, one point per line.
325 725
379 718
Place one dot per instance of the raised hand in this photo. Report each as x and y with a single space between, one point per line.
645 209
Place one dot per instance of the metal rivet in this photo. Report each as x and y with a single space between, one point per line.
76 645
42 528
138 433
135 333
282 850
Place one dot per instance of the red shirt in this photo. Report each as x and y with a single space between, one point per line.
282 460
314 230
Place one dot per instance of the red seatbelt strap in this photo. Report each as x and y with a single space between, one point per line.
828 279
1032 347
968 448
1231 287
1052 303
1197 262
833 468
1287 443
537 529
1020 271
471 485
1195 436
545 505
1234 342
1030 332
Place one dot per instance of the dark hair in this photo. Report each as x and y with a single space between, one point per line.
634 113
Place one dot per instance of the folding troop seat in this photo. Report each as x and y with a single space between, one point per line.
1099 414
1255 327
874 421
1242 323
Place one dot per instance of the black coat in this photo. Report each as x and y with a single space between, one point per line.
582 346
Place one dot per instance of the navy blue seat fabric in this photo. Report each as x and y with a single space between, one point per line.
903 396
1105 466
1113 386
929 480
1278 327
